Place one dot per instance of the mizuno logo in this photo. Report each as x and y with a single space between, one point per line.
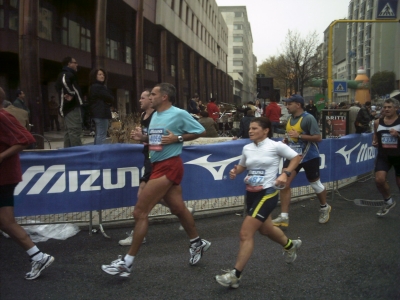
57 180
365 153
217 168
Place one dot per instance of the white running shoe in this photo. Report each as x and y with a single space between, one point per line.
385 209
39 266
118 267
192 211
229 279
197 252
324 214
291 255
128 240
281 221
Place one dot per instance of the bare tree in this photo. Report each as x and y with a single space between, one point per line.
298 64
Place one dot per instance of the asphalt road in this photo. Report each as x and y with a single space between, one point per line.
354 256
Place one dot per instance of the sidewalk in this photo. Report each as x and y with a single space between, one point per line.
56 138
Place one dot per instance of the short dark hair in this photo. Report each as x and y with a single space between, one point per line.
204 114
66 61
93 75
368 103
212 99
264 123
169 90
19 92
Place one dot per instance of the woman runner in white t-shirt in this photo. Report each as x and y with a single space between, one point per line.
261 160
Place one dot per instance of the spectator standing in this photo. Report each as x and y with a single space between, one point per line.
258 112
193 105
20 114
202 107
353 111
273 112
213 110
245 125
13 139
20 101
53 113
100 102
311 108
387 140
209 124
70 97
363 118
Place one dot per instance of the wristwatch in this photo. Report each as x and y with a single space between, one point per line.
180 138
299 136
287 173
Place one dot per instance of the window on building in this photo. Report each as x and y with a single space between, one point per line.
237 26
45 24
13 19
238 39
128 55
113 48
150 63
237 51
238 14
238 63
75 35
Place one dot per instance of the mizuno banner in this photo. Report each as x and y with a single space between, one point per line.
107 176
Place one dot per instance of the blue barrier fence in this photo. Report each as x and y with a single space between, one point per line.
101 177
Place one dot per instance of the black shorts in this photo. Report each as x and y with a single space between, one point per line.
261 204
311 168
7 195
385 162
147 170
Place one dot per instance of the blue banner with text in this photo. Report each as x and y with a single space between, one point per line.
107 176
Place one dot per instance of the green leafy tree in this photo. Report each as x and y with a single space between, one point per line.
382 83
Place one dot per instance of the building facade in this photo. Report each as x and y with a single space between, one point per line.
374 46
241 64
139 42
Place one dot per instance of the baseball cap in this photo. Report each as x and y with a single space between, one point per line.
295 98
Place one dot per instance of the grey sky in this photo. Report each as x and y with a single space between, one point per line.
271 19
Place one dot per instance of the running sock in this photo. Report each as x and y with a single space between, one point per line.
288 245
237 273
284 215
324 206
389 201
34 253
129 259
195 242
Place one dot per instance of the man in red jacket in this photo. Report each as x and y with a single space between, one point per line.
212 109
273 113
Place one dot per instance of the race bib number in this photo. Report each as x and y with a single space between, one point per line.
254 180
297 147
389 141
155 137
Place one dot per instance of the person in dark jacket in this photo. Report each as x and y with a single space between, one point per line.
363 118
100 102
245 125
70 99
312 109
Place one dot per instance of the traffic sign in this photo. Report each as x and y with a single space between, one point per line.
340 86
387 9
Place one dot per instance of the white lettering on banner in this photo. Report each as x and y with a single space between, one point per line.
365 153
211 166
73 183
335 118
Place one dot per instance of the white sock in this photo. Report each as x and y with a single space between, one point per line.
284 215
389 201
129 259
34 253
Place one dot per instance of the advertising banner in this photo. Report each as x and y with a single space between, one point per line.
107 176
